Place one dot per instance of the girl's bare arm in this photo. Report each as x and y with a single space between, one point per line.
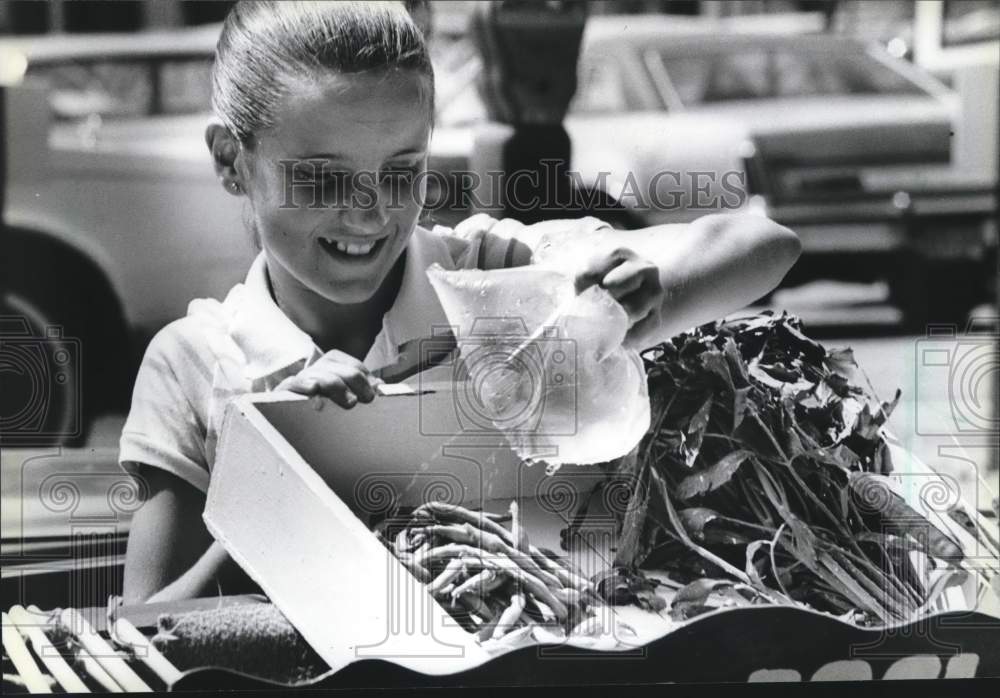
671 277
713 266
171 554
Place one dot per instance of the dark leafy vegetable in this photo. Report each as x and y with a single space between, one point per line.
764 472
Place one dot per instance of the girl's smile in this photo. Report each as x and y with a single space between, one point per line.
356 251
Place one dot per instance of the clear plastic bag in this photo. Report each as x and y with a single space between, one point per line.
545 365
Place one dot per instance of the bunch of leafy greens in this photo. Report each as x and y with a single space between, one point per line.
763 478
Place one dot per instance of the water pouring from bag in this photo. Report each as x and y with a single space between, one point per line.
544 365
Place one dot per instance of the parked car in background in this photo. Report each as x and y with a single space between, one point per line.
114 217
852 147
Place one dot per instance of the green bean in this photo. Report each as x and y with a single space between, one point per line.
534 585
411 564
476 583
466 534
452 570
509 617
402 542
517 531
475 604
560 567
463 515
569 596
445 552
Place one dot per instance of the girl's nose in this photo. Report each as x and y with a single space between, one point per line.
368 210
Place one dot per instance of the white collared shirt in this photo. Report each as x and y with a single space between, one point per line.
195 365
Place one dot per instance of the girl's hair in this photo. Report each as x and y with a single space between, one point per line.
266 46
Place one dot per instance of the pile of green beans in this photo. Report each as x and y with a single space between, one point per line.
489 577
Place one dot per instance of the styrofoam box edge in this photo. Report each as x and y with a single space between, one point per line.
333 580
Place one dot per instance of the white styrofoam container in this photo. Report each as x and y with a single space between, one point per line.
291 490
293 487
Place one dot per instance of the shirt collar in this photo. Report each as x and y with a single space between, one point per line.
269 340
416 311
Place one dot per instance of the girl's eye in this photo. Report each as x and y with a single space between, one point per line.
334 185
399 174
339 177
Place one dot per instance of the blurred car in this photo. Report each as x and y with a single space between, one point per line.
851 146
820 108
114 219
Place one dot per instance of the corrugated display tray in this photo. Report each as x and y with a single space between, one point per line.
735 645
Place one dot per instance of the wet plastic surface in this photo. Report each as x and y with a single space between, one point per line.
546 366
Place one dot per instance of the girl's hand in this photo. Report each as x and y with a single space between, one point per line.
635 283
338 376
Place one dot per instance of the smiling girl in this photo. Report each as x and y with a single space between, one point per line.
314 98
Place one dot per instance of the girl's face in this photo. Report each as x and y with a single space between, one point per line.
333 185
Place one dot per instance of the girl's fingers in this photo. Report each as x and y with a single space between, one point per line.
599 267
358 383
354 373
644 292
338 376
336 389
341 384
623 279
339 357
302 384
642 334
639 303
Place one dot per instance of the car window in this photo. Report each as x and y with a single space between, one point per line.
78 90
457 95
126 88
185 86
600 87
795 77
689 77
863 74
757 73
732 76
970 22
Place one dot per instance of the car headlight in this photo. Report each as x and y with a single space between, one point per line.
13 66
757 205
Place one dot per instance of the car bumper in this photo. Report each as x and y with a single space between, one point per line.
938 225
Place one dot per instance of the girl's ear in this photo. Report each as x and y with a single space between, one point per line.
224 149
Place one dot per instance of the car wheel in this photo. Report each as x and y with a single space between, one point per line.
40 402
935 292
954 289
908 290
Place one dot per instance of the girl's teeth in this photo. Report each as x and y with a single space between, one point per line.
355 248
